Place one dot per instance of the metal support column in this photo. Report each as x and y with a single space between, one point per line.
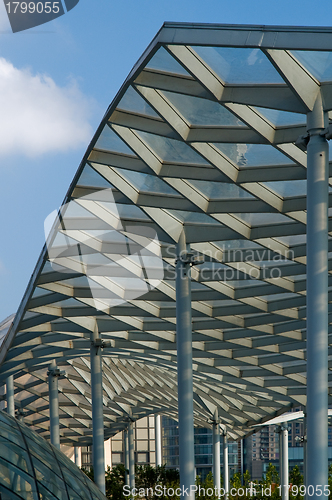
158 440
317 297
184 369
305 449
78 456
53 391
98 458
242 464
10 396
283 457
216 450
226 471
131 455
126 457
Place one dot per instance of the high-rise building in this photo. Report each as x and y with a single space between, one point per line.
203 449
260 449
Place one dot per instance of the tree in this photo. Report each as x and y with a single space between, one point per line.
205 485
236 484
149 477
246 479
115 481
330 481
270 484
295 479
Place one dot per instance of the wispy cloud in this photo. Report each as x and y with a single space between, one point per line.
38 116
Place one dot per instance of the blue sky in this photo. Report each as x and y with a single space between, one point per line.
56 82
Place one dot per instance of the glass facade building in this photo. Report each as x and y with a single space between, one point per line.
203 449
144 446
33 469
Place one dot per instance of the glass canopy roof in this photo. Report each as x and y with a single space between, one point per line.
32 469
201 139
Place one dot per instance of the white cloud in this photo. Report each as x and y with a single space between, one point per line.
38 116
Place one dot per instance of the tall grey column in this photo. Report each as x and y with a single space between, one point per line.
158 440
226 471
10 396
317 298
283 457
184 368
126 458
53 390
78 456
131 455
242 464
98 458
216 450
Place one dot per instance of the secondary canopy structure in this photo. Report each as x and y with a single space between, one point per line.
201 141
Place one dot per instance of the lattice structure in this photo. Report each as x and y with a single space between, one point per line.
201 138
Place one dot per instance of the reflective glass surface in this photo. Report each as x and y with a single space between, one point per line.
163 61
253 155
221 190
263 219
288 188
109 141
282 118
147 183
35 470
202 112
318 63
171 150
239 65
133 102
89 177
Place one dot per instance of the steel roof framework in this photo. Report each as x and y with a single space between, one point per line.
201 138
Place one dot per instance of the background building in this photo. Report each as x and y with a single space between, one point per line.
253 453
144 440
203 449
260 449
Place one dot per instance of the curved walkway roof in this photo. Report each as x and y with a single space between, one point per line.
201 138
